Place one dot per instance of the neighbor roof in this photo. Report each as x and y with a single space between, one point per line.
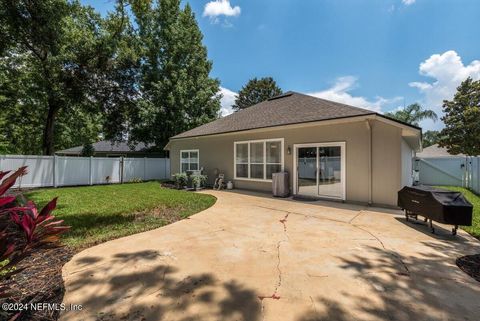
436 151
107 146
286 109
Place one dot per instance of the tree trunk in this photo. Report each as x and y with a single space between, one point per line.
48 133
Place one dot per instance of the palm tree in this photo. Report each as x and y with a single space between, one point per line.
413 114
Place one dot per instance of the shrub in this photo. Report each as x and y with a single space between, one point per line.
180 179
199 180
23 227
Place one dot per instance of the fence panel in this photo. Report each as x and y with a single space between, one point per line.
133 168
454 171
475 183
442 171
47 171
105 170
40 169
71 171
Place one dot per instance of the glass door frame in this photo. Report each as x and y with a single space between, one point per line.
343 155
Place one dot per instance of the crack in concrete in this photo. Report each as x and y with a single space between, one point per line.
353 218
284 222
275 295
394 254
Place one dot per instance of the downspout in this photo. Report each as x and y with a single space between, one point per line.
370 178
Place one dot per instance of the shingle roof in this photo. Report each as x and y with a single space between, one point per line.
289 108
436 151
107 146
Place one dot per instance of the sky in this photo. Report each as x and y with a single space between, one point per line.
375 54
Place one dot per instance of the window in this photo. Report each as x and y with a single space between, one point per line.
189 160
258 159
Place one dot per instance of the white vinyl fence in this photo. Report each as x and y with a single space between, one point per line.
453 171
70 171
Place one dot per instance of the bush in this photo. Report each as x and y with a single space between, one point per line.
199 180
23 228
180 179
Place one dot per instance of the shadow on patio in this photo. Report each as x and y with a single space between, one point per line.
168 296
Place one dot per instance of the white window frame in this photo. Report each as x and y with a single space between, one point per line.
264 141
189 151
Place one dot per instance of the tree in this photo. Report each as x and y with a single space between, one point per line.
256 91
177 91
413 114
430 137
461 134
59 58
88 150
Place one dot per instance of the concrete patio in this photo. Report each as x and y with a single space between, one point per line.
252 257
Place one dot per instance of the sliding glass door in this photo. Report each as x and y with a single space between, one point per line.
320 170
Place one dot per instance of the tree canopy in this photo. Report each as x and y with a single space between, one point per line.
256 91
413 114
69 75
461 134
430 137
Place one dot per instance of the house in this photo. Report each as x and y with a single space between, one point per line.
107 148
330 150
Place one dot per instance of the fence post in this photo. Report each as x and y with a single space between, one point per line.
55 170
478 175
90 180
144 168
122 165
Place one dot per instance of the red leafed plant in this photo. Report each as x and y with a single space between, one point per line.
22 227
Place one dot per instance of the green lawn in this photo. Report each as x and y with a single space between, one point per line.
100 213
475 200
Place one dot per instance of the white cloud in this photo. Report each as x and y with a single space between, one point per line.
448 71
340 92
408 2
217 8
227 101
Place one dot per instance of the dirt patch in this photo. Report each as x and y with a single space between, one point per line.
40 282
470 264
168 214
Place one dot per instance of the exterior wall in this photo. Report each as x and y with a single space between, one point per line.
386 163
217 152
407 164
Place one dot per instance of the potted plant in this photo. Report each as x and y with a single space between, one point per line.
198 181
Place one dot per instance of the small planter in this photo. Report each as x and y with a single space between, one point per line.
198 181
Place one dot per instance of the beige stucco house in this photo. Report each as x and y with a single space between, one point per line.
330 150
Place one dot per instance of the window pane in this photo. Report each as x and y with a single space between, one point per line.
184 157
273 169
193 157
242 170
242 153
274 152
256 171
184 167
256 153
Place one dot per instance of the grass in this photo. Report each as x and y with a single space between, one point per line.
100 213
475 200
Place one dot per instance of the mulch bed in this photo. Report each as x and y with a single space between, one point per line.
470 264
40 282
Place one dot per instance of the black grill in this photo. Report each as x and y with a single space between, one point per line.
436 204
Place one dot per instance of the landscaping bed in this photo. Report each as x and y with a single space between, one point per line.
96 214
470 264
